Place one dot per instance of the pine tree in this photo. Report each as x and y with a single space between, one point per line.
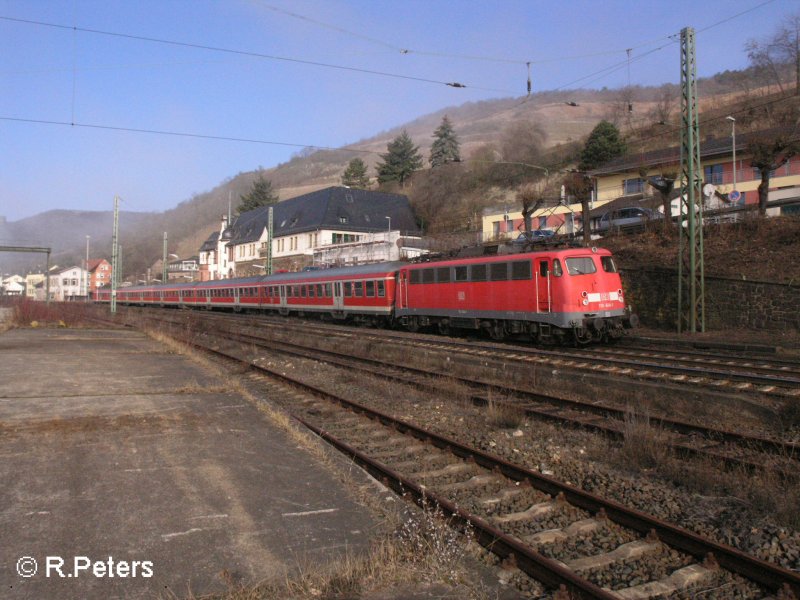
401 160
445 144
261 194
355 175
604 143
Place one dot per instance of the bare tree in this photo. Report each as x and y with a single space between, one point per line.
580 186
770 154
779 52
533 196
664 184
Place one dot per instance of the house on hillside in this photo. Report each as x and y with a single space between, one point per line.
618 184
330 227
68 284
99 274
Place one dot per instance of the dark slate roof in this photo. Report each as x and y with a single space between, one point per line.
210 244
340 208
710 148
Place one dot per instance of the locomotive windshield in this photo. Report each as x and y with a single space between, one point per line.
580 265
608 264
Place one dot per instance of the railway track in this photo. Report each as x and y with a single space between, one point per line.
712 370
730 448
561 536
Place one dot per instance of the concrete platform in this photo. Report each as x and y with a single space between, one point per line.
110 447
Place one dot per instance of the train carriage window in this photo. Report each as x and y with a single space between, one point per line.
498 271
302 291
557 272
580 265
608 264
520 269
312 291
381 289
328 290
427 276
478 272
358 289
320 289
348 288
544 268
443 275
415 276
370 289
461 274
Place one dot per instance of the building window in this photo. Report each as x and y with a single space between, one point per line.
713 174
633 186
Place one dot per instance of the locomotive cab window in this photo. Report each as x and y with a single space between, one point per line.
557 272
580 265
544 268
608 264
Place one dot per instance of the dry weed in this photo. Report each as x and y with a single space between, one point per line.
501 413
644 445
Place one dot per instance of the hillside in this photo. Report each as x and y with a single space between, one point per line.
544 128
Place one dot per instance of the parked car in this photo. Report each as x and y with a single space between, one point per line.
627 218
537 236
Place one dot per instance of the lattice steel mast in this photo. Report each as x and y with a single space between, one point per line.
691 280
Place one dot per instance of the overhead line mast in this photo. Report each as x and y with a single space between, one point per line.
691 277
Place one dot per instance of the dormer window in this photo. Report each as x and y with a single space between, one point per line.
342 219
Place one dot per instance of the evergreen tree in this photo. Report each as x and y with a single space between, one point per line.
401 160
355 175
261 194
445 144
604 143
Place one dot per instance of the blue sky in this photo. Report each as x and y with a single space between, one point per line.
60 74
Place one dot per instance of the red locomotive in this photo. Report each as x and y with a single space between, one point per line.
550 296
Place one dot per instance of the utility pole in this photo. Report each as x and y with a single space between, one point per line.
164 261
88 278
114 258
691 278
269 243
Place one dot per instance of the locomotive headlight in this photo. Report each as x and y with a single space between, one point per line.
585 302
619 291
584 294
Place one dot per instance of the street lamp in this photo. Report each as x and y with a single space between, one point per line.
733 141
389 230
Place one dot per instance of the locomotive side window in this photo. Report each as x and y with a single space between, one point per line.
427 276
415 276
520 269
557 272
544 268
580 265
348 288
358 289
443 275
498 271
381 289
608 264
461 274
478 272
370 289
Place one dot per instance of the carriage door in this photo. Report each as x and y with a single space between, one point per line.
338 302
282 296
543 292
402 291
